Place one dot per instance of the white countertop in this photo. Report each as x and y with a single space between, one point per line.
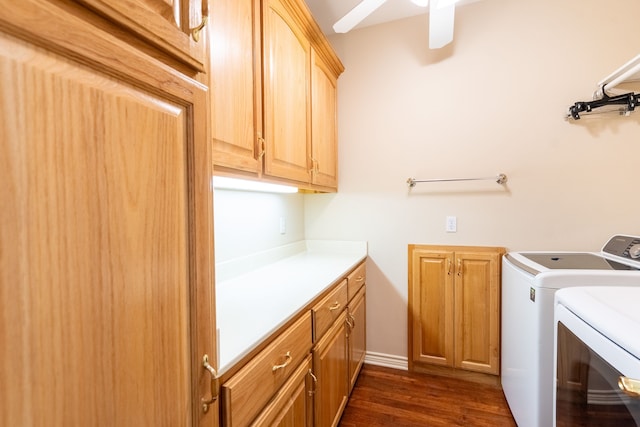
256 295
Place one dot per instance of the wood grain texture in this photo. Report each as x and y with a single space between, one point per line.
106 257
454 307
330 367
236 84
324 123
390 397
287 100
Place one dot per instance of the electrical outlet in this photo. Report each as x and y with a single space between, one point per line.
452 224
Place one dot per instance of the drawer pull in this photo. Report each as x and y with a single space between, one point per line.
285 364
359 279
215 384
630 386
336 305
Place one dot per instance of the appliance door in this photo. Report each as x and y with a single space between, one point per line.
588 369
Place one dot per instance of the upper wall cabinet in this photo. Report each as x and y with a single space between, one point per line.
172 26
273 94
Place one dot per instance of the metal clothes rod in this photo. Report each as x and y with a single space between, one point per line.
500 179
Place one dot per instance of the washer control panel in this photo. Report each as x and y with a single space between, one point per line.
627 247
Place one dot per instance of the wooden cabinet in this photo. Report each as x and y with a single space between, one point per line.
292 406
273 79
107 238
235 79
356 336
454 307
247 392
340 346
171 26
324 129
330 368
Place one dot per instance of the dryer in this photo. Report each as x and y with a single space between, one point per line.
529 283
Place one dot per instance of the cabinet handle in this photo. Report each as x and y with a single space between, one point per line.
263 148
336 305
450 264
630 386
315 383
285 364
359 279
353 320
459 267
349 322
195 32
215 384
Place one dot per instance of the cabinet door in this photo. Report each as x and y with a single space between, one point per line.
431 306
357 339
291 407
477 313
324 129
235 81
165 24
106 258
330 368
287 112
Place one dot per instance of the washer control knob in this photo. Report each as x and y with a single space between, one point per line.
634 251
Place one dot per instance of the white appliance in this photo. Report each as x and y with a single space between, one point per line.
597 355
529 283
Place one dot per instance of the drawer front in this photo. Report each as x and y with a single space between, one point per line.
328 310
356 279
292 405
247 392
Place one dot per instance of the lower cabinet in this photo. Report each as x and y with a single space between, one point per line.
356 336
330 368
304 376
292 406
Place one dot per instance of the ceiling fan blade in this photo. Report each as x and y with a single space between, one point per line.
356 15
441 19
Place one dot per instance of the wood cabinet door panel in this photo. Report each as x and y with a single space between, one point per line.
287 115
105 198
357 336
330 368
324 129
235 82
477 311
432 307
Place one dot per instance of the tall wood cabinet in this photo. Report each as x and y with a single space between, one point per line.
454 307
274 94
106 237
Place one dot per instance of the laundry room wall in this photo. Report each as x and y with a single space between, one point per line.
494 101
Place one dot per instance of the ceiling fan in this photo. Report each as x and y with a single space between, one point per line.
441 14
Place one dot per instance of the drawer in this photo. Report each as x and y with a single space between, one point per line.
328 310
292 402
356 279
248 391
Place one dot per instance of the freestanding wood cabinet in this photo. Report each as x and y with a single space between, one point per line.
454 307
106 256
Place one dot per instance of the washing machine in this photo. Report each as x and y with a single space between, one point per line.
529 283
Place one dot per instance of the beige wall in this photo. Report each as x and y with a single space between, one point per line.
493 101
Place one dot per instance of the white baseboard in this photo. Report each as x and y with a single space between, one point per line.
387 360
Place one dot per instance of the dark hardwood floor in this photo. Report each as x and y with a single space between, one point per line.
391 397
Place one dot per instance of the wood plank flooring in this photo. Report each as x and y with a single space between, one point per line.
391 397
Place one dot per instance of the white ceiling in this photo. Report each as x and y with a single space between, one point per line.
327 12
